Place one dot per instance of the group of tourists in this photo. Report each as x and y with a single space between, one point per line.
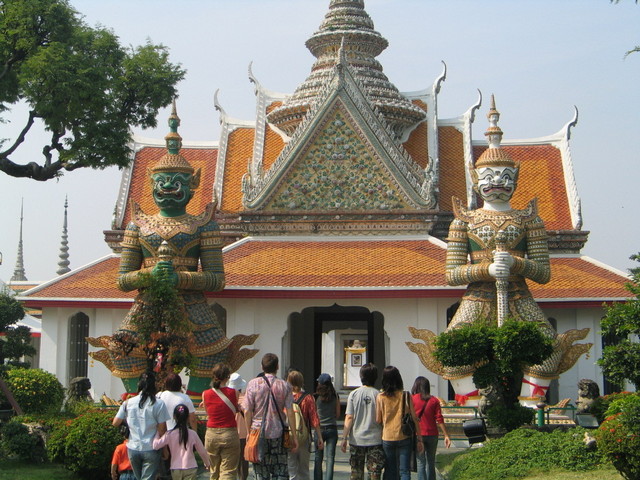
283 424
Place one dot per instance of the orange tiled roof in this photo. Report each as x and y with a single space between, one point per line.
273 145
541 176
452 168
239 152
417 147
339 263
96 281
140 187
579 277
343 264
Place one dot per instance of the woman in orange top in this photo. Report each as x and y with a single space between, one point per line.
396 445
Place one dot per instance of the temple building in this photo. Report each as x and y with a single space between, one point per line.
334 204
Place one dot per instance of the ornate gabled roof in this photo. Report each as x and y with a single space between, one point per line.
342 158
348 30
333 267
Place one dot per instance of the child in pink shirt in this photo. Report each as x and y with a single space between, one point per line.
181 441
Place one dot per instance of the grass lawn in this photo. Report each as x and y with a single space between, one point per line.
11 470
444 461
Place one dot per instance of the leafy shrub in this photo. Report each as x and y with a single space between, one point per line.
619 435
629 407
600 405
35 390
56 442
510 417
524 450
467 345
16 441
621 445
500 352
85 444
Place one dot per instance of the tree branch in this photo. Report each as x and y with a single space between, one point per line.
22 136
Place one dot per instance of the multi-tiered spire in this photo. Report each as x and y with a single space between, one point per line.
348 30
18 272
495 155
64 245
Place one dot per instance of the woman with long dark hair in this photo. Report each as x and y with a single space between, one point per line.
389 410
221 440
328 406
181 441
145 415
429 415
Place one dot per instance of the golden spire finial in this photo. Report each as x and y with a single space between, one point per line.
494 156
172 161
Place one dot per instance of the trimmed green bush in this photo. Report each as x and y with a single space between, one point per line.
17 442
601 404
35 390
621 445
510 417
85 444
525 450
619 435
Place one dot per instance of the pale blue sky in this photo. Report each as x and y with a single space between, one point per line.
540 58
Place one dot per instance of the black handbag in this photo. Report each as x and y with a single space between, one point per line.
408 425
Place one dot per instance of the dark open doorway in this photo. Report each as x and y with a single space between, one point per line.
338 326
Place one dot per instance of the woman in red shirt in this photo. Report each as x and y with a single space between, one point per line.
429 415
221 440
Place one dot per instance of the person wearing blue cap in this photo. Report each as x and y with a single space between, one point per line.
328 406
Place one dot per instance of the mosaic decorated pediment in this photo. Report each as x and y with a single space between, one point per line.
339 170
342 157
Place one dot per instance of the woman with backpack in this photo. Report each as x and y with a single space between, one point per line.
328 405
306 418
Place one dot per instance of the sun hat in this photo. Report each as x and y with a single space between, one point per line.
236 381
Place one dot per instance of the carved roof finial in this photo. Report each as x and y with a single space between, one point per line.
64 245
18 272
172 161
494 156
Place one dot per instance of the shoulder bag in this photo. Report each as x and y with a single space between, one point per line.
255 447
408 426
286 434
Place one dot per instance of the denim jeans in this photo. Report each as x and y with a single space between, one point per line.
398 455
145 464
330 439
426 460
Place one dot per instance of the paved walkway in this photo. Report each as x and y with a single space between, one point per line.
342 470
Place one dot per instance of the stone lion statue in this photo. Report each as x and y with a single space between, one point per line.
79 389
588 391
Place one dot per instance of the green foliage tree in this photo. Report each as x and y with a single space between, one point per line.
84 87
17 339
637 47
621 362
500 353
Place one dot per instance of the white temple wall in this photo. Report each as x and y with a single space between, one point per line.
585 367
49 340
269 318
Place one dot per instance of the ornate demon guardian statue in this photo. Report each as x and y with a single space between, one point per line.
495 249
174 244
